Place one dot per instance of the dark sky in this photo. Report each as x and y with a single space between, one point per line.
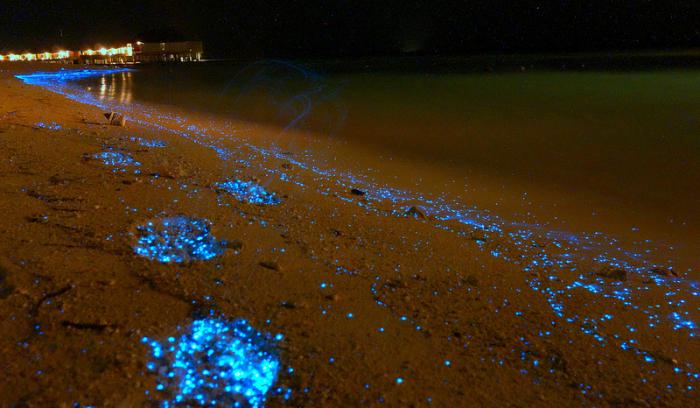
295 28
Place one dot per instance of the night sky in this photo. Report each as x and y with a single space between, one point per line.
327 28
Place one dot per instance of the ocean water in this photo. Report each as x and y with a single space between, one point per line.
610 146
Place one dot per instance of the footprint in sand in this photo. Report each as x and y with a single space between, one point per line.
248 192
121 162
215 361
177 239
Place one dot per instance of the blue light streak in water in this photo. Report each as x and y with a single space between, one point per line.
177 239
65 75
216 362
249 192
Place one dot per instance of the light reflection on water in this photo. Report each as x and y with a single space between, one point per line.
115 87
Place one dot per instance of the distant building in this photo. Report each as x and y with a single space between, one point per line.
183 51
173 51
121 55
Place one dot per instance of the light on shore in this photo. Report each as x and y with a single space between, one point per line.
126 51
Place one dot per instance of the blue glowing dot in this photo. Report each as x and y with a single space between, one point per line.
216 361
350 315
177 239
249 192
399 380
448 363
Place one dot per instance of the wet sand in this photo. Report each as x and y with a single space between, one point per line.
376 304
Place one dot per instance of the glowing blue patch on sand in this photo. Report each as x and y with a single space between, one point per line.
49 126
116 159
216 362
148 142
177 239
249 192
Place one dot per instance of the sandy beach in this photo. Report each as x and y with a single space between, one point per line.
360 294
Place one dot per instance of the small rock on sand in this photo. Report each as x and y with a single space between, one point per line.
358 192
170 170
471 280
271 265
235 244
663 272
416 212
613 273
115 119
5 288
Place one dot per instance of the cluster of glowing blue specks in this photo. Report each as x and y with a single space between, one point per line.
49 125
148 142
121 162
216 362
249 192
177 239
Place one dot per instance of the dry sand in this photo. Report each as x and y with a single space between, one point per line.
363 299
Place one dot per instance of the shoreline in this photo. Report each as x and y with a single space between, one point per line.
350 266
631 196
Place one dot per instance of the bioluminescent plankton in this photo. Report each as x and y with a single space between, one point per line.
148 142
120 161
216 362
249 192
48 126
177 239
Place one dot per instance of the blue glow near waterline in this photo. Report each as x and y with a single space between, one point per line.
216 362
65 75
249 192
177 239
